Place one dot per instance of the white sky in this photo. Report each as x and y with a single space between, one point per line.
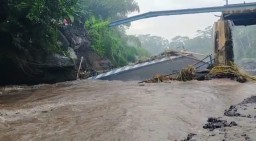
171 26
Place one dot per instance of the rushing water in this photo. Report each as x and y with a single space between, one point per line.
109 111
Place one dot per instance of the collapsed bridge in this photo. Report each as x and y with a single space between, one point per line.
165 64
232 15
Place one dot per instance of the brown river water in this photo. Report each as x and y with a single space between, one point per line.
115 111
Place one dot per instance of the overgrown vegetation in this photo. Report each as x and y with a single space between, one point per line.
28 24
232 71
113 43
28 27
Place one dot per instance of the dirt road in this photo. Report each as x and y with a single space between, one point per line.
115 111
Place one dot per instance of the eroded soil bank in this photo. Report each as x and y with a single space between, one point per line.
125 111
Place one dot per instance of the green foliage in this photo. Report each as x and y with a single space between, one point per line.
96 30
30 25
103 9
114 9
112 43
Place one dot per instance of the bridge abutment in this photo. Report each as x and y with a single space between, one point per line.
223 43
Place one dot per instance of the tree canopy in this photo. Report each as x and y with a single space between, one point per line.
29 26
33 23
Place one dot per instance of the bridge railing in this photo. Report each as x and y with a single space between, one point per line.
230 7
203 62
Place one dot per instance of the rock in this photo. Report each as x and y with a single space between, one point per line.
241 79
200 78
241 109
212 135
233 124
77 36
48 69
42 67
72 54
249 100
80 42
214 123
44 112
56 61
189 137
232 112
247 138
63 41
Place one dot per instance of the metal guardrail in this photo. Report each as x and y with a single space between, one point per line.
210 62
185 11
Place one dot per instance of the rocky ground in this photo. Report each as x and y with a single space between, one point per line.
237 124
41 67
128 111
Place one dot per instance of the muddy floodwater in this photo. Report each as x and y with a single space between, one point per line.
117 111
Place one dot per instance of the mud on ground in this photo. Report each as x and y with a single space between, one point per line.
241 128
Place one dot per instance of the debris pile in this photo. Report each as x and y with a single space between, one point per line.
167 53
160 79
187 74
88 73
189 137
190 73
214 123
232 71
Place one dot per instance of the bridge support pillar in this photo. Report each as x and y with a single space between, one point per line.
223 43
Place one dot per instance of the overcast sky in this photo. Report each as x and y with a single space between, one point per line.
171 26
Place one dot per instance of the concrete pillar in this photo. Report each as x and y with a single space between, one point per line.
223 43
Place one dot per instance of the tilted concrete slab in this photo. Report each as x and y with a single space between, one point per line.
147 70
